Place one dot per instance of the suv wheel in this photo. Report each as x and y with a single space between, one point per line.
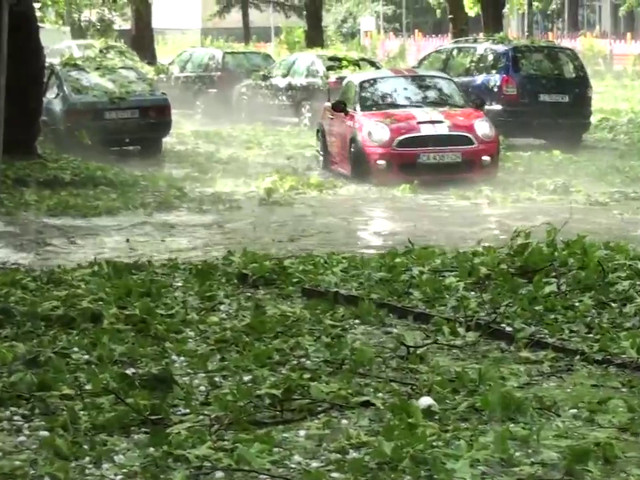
568 141
305 114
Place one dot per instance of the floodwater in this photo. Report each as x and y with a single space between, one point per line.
361 219
317 224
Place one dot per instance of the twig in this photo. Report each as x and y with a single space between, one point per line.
214 469
485 328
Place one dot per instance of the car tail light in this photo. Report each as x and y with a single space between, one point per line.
335 82
509 88
162 111
77 115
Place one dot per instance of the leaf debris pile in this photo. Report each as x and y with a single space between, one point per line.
176 370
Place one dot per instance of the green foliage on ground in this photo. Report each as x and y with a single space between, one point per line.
179 371
64 186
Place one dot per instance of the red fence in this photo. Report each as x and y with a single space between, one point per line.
622 51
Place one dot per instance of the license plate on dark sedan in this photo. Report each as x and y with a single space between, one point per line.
121 114
431 158
546 97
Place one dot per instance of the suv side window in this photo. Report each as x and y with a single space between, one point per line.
283 67
181 61
348 94
460 61
434 60
197 62
488 62
299 68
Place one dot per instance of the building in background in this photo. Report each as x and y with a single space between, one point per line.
196 19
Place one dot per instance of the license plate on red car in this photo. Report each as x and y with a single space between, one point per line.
440 158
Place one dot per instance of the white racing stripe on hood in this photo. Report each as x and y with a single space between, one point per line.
426 114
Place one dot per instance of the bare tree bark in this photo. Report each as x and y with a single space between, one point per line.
246 25
573 17
458 19
492 16
314 35
142 38
25 82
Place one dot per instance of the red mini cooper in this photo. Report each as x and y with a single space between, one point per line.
406 125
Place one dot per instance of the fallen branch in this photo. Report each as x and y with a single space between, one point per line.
485 328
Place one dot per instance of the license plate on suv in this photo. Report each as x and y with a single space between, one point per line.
431 158
548 97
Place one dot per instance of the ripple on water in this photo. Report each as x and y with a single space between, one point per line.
319 223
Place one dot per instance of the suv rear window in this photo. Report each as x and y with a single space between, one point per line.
548 62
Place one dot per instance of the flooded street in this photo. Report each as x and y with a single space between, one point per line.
313 224
351 217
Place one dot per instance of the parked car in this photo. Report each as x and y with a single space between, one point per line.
204 78
298 86
108 107
531 90
84 48
406 125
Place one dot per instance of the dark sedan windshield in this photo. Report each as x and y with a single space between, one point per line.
113 81
339 63
411 91
247 61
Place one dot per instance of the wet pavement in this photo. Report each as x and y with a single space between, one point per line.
317 224
356 218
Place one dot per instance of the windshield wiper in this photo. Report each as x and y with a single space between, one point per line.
396 105
440 103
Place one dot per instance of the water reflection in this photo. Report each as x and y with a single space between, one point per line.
375 226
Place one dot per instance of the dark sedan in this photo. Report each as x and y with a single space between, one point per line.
204 78
298 86
109 107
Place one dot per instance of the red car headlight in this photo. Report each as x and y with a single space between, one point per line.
377 132
484 129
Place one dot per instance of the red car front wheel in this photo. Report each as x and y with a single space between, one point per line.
360 168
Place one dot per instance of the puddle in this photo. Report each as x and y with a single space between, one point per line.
357 218
316 224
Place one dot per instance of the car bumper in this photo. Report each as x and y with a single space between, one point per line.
125 133
532 124
388 165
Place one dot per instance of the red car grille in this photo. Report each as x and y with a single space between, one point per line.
418 169
411 142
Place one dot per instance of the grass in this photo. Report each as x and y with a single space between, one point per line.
178 370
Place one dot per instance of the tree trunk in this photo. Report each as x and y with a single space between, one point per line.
142 39
458 19
246 26
492 19
314 35
574 18
25 82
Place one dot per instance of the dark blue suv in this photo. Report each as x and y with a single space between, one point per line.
530 90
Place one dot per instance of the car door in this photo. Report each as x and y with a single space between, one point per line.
301 86
341 128
434 61
168 82
275 87
489 65
461 66
52 102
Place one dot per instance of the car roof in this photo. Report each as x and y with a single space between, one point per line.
393 72
501 45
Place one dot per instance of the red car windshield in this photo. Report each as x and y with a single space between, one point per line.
411 91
